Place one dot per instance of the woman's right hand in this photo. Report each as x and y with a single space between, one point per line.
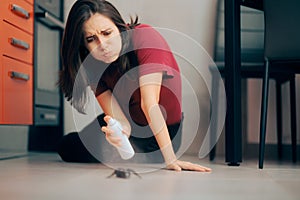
179 165
113 140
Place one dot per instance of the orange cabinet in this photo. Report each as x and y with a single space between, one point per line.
16 62
30 1
18 13
17 96
16 43
1 92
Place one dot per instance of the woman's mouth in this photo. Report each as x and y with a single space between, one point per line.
107 54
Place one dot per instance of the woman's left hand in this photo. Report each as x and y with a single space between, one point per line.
113 140
183 165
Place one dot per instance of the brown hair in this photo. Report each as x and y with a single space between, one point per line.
73 51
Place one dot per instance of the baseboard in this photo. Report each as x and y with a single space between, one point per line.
6 154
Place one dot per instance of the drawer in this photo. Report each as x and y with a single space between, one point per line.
17 92
1 90
30 1
19 13
45 116
16 43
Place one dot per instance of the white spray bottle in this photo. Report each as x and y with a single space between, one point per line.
125 150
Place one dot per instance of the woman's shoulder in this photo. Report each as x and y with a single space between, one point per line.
145 35
140 26
144 29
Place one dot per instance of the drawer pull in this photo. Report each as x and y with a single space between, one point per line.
19 43
18 10
18 75
49 116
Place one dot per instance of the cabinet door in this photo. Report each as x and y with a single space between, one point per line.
1 90
16 43
30 1
19 13
17 92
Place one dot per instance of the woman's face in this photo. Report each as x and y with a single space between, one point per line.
102 38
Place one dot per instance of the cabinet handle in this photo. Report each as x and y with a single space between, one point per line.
18 10
18 75
19 43
49 116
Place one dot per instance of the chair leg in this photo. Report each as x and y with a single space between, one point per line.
263 119
293 117
212 154
279 118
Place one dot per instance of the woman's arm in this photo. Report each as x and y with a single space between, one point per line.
150 86
150 92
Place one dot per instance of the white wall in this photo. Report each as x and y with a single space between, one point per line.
254 103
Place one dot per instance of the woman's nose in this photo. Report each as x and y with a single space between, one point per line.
98 39
101 42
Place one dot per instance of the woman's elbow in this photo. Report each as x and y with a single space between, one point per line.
146 105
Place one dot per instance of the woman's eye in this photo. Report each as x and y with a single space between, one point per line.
90 39
106 33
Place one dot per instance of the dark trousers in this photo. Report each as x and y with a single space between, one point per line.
90 146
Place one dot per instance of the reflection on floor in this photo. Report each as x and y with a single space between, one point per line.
43 176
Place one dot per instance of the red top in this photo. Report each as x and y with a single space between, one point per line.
154 55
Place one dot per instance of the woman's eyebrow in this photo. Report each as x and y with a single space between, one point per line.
107 29
91 33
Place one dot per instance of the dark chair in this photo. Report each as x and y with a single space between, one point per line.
281 70
252 54
282 56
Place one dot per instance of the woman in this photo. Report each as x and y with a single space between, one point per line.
133 74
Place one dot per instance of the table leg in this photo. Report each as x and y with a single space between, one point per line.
233 129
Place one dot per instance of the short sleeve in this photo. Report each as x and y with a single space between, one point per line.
153 53
101 87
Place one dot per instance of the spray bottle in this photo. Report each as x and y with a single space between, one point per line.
125 150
